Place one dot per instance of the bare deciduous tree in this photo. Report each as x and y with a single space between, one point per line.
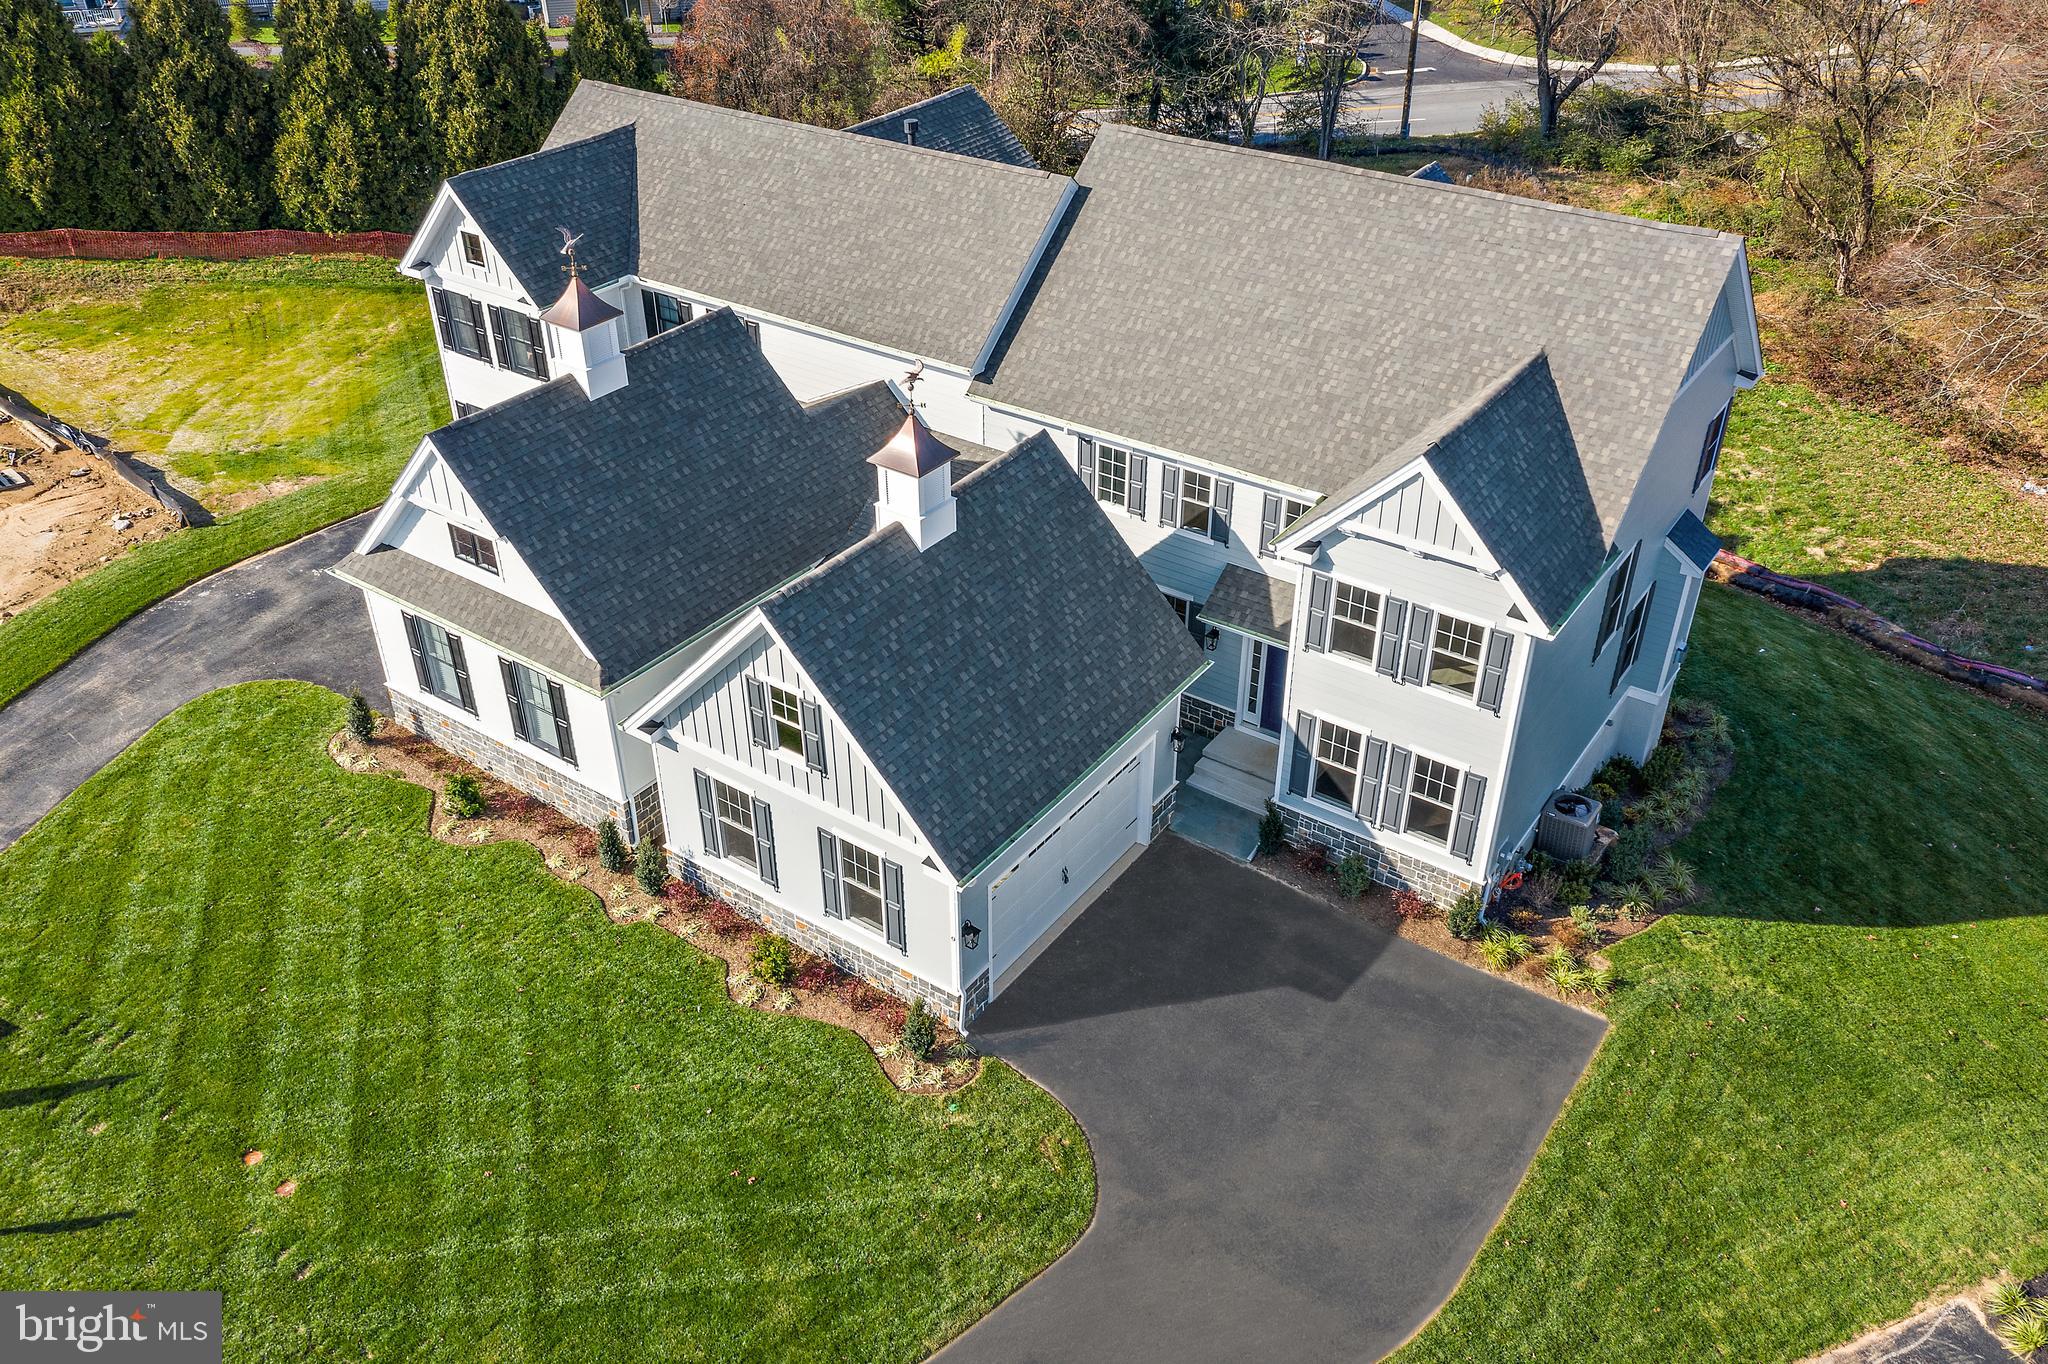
1692 40
1047 59
1590 28
811 61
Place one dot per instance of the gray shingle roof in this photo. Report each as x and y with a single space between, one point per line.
1296 320
1689 536
586 186
471 609
959 121
653 512
902 246
1252 602
984 675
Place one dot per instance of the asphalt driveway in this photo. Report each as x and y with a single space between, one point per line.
1303 1126
277 615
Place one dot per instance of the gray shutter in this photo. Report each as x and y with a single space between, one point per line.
1370 779
1625 657
1219 513
558 700
1393 805
757 712
1493 678
647 311
1137 502
1415 645
1393 620
419 649
814 736
506 671
828 863
1269 525
1084 460
1318 636
1466 830
1297 762
1195 626
1169 495
455 652
706 816
764 841
445 315
892 906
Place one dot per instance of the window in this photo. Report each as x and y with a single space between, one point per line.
1354 621
1182 607
1336 765
1617 595
786 719
540 710
734 811
1197 495
1113 475
661 312
461 322
438 663
1292 509
1632 637
1454 654
1710 449
521 347
860 881
1432 798
472 548
472 248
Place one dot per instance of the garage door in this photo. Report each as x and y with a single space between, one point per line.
1030 897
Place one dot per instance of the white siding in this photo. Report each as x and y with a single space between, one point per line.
1414 511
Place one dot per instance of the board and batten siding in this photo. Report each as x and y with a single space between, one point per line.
715 716
1414 511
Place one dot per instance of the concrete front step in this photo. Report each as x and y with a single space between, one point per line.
1232 785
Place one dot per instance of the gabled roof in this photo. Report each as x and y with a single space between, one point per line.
1297 321
586 186
984 675
1690 537
959 121
653 512
901 246
467 606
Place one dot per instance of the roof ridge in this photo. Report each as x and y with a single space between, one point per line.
541 151
965 87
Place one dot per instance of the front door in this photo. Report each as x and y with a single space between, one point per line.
1265 686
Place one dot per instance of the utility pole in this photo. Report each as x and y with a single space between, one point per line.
1408 81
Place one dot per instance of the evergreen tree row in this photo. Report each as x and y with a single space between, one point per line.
175 130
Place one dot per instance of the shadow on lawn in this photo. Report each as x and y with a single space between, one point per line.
67 1224
42 1094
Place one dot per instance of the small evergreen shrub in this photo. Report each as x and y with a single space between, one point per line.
1666 762
362 721
650 867
465 796
1630 853
1272 830
611 848
1619 774
920 1031
1575 882
1354 875
1463 916
773 961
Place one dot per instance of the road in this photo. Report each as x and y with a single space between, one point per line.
1453 89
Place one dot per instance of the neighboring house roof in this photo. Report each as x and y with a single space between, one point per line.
901 246
585 186
1433 171
985 674
1296 321
1689 536
469 607
959 121
653 512
1252 602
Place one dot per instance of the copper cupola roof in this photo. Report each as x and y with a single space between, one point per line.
913 450
579 309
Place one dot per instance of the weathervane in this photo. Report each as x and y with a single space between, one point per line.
911 381
569 250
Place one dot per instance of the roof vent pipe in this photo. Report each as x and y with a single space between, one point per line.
910 131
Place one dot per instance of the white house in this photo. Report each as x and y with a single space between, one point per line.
1419 469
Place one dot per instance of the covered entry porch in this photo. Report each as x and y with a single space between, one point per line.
1227 787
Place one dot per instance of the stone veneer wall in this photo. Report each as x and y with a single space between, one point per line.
507 763
1389 868
872 967
1204 717
1162 810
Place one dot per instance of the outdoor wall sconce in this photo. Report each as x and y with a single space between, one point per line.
970 936
1209 640
1179 739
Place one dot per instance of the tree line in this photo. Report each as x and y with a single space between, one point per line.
344 132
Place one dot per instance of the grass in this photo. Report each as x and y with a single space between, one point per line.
333 380
515 1128
1820 1100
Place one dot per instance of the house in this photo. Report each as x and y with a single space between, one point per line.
1415 474
959 121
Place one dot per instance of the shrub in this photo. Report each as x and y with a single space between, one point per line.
1354 875
1563 969
1672 879
727 922
1605 794
2010 1299
1272 830
1586 922
1631 850
1575 882
817 974
2027 1334
1463 915
773 961
611 849
582 842
1540 891
1597 981
362 721
1619 773
865 998
920 1031
1569 934
465 796
1502 949
1409 905
1665 763
1313 858
650 866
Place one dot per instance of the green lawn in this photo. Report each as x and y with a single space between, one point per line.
516 1129
1822 1096
1824 491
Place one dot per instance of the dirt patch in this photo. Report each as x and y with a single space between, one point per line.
821 991
63 524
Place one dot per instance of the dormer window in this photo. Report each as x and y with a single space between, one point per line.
472 248
474 549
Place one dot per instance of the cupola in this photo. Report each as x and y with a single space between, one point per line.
915 470
585 339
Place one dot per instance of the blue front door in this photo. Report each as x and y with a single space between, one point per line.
1272 686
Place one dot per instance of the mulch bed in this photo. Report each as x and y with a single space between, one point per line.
821 990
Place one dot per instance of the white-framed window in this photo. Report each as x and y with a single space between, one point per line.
860 882
540 710
477 550
1354 621
1454 652
1182 607
1197 498
734 811
1432 800
786 718
662 312
1113 475
473 248
439 663
1617 597
522 343
1335 776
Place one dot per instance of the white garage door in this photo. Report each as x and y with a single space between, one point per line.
1031 896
